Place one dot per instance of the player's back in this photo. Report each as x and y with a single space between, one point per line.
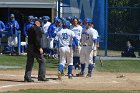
65 36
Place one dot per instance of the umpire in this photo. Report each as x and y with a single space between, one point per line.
34 50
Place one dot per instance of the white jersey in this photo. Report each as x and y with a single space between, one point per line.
65 37
77 30
46 26
96 32
88 36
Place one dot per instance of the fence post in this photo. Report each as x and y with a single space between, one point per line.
106 27
59 8
19 42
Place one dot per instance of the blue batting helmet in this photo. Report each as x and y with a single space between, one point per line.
66 24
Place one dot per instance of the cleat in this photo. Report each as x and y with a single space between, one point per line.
81 74
70 76
43 79
88 75
28 80
59 76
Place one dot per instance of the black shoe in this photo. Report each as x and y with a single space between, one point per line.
28 80
43 79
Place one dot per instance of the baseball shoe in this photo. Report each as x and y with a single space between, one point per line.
28 80
43 79
70 76
81 74
88 75
59 75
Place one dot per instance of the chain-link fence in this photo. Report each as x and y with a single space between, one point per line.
123 24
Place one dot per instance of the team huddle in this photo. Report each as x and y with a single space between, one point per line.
73 40
76 44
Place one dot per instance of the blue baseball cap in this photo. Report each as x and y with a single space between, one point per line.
66 24
69 18
46 18
30 17
87 20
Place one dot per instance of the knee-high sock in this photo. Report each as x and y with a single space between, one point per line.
83 66
70 69
94 59
90 67
60 68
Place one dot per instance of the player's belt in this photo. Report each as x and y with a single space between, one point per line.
65 46
86 45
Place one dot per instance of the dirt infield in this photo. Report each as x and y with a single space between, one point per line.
13 80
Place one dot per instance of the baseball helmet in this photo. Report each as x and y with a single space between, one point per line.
87 20
66 24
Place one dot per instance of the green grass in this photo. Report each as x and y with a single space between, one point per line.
6 60
131 66
68 91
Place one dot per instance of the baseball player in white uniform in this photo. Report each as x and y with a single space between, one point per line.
77 29
88 38
96 43
65 37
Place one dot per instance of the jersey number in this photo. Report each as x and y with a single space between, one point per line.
65 35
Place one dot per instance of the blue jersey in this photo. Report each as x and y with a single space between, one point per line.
2 27
12 27
26 27
52 30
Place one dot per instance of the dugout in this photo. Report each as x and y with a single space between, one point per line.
23 8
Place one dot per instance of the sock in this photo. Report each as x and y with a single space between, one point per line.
83 67
60 68
70 69
90 67
94 59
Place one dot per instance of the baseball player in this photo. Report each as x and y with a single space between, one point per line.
52 30
65 37
2 28
27 25
96 43
45 39
12 26
87 42
77 29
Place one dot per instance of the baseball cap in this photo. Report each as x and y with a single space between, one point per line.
30 17
87 20
12 15
46 18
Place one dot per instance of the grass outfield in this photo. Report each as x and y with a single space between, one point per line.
68 91
131 66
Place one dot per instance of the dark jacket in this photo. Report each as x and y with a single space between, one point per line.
129 52
34 37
